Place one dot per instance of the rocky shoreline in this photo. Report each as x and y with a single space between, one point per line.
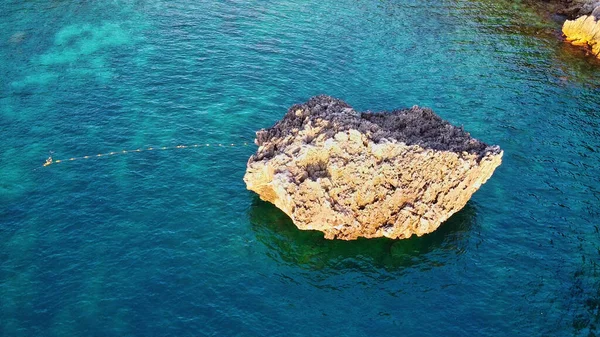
583 25
574 9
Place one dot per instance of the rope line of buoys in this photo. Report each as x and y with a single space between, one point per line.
51 161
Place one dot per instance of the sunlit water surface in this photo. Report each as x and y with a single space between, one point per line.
172 244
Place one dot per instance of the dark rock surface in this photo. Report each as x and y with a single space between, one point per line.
576 8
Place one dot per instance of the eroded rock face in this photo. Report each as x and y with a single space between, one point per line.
576 8
351 174
585 32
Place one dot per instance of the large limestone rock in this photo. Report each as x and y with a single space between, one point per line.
585 32
351 174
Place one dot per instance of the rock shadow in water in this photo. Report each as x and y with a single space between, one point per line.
310 250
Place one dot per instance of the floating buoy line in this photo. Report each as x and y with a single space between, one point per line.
51 161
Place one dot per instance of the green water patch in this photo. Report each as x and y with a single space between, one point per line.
527 18
542 27
310 250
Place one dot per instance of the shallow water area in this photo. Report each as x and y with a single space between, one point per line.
171 243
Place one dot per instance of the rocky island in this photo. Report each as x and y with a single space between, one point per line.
351 174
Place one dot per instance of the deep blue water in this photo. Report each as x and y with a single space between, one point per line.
170 243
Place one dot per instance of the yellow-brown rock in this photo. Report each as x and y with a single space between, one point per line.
584 31
350 174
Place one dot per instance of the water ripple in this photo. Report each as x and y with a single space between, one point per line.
171 243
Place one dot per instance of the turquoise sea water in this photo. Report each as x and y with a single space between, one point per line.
172 244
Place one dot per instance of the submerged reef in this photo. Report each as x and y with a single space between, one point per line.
383 174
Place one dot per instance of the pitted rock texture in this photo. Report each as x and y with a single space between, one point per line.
576 8
585 32
351 174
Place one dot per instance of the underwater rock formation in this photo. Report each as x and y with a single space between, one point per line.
585 32
350 174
